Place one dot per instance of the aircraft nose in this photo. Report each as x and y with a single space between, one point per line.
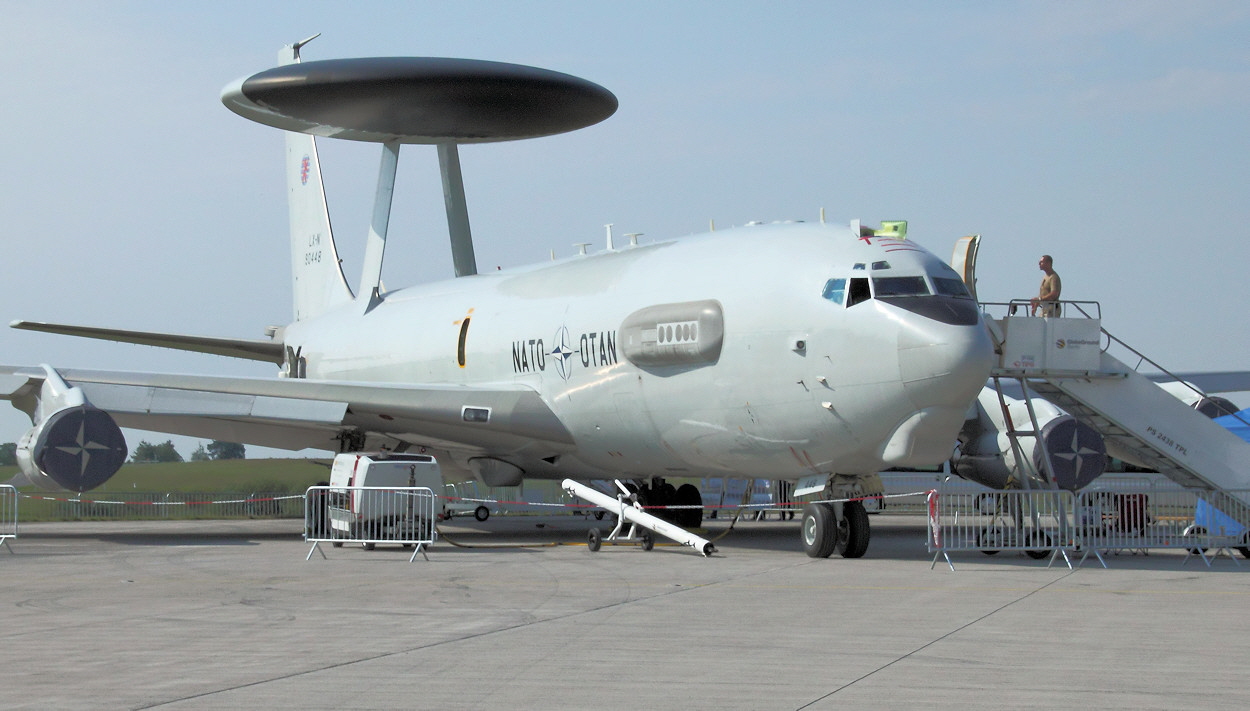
944 365
942 368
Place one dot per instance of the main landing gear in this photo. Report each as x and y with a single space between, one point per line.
659 493
841 527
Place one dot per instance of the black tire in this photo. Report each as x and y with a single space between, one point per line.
688 495
369 546
1245 545
1196 530
853 530
594 540
1038 538
984 536
819 530
665 495
481 513
337 544
648 541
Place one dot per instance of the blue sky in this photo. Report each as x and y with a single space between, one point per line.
1112 135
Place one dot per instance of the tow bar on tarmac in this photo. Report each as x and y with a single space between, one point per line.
626 507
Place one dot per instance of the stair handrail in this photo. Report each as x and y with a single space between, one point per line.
1142 357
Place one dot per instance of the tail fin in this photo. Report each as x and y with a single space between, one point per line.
317 275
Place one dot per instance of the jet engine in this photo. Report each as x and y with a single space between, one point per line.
73 446
1077 452
1210 405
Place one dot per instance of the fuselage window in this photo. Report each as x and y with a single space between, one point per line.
835 291
951 286
900 286
859 292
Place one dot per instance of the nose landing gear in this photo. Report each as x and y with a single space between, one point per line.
837 526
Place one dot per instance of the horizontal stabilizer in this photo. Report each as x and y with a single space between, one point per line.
268 351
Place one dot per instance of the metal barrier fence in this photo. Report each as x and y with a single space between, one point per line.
369 516
133 506
8 514
1048 524
1030 521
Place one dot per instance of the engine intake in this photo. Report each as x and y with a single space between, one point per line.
1078 454
76 449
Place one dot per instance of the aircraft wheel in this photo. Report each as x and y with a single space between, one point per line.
595 540
368 546
648 541
481 513
666 495
989 536
1245 545
853 530
1195 530
820 530
337 544
1038 538
688 495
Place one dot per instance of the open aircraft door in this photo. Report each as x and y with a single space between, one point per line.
964 260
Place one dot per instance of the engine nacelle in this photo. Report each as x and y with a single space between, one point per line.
1078 453
75 449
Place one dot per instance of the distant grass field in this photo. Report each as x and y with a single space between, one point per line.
234 475
181 481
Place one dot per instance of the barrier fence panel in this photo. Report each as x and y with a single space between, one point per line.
8 514
1137 520
133 506
1223 517
1051 523
1039 523
369 516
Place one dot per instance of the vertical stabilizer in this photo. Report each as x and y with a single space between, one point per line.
316 273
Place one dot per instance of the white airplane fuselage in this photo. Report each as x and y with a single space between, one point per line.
798 383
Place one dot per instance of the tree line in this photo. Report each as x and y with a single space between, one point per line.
148 452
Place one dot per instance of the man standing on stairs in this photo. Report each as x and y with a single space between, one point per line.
1048 294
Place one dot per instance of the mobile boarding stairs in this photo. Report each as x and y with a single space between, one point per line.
1065 360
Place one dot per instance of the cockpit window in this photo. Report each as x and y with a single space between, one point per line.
835 291
947 302
859 292
900 286
951 286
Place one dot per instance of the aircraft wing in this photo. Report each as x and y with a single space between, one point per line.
300 413
1229 381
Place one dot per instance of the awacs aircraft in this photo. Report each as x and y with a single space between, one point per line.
782 350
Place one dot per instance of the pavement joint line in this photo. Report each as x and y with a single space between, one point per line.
432 645
932 642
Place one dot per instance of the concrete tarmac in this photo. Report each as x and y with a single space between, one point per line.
228 614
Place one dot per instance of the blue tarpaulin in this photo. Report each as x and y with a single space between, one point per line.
1237 426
